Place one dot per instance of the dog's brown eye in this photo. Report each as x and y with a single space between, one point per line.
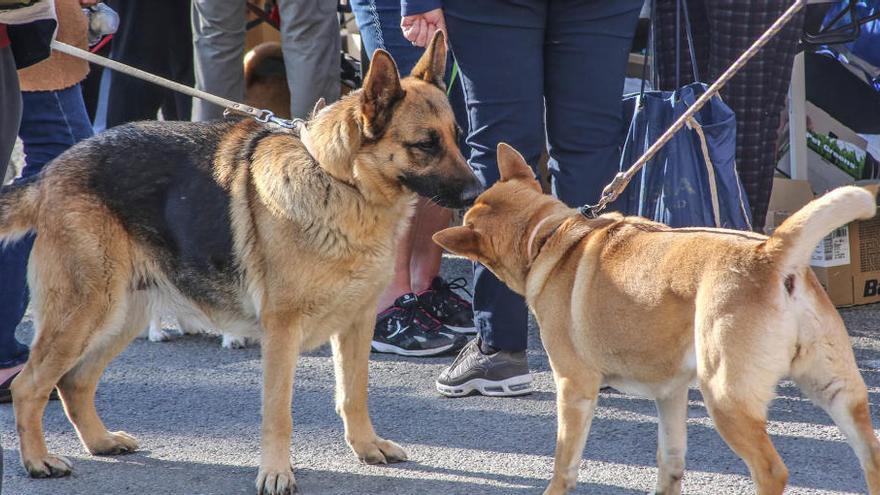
428 145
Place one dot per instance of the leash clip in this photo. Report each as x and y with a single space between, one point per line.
268 116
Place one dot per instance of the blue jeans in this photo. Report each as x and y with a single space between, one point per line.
51 122
536 72
379 25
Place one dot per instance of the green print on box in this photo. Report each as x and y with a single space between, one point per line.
841 153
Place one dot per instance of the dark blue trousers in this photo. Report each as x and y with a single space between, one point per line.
536 72
51 122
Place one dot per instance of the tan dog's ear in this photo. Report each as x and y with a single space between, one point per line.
512 166
319 105
432 66
381 92
463 241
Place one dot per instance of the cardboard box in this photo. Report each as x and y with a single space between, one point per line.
847 261
836 155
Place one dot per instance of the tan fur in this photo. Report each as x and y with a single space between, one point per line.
649 309
313 240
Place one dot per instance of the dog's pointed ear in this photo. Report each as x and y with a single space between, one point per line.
463 241
319 105
512 165
432 66
381 92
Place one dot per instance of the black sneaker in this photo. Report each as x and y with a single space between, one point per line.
407 329
501 374
443 303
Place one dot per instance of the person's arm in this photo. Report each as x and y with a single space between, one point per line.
420 19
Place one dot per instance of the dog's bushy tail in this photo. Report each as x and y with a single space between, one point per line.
18 210
794 241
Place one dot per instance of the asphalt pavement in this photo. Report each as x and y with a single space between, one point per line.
195 409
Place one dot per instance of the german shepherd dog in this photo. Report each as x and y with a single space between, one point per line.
244 225
733 310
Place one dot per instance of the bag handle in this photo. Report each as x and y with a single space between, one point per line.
651 51
681 6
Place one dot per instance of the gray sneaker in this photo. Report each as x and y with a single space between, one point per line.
502 374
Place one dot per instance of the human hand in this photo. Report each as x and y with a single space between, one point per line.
88 3
420 28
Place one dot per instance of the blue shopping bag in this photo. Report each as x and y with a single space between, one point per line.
692 181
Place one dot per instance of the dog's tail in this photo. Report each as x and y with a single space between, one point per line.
794 241
18 210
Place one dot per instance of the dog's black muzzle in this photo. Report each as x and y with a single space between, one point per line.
443 191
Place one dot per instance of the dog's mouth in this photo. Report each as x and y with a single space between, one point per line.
443 191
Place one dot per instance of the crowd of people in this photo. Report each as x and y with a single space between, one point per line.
540 75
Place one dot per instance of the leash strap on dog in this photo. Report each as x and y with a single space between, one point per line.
622 179
259 115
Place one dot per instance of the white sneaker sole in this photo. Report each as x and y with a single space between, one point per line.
463 330
393 349
510 387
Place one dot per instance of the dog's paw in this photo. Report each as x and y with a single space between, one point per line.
159 335
276 482
116 443
379 451
233 342
48 466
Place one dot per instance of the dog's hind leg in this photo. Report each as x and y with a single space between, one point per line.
78 385
827 373
351 355
74 296
671 441
740 361
746 433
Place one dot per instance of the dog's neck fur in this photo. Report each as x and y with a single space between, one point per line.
560 219
367 212
335 138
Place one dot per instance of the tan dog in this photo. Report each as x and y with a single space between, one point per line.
649 309
240 224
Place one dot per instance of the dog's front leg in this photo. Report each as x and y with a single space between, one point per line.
280 349
351 355
575 402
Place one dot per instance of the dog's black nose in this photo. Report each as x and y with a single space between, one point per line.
471 192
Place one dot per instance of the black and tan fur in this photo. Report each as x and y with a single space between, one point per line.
240 225
649 309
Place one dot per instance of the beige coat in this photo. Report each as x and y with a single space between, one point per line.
60 71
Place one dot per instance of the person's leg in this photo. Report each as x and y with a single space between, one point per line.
218 28
135 43
499 48
177 106
757 92
52 121
311 44
10 117
584 72
12 353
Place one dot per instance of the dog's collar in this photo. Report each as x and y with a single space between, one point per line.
534 236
